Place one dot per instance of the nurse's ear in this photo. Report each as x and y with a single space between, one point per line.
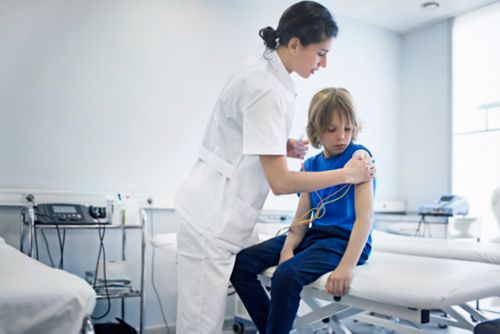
294 45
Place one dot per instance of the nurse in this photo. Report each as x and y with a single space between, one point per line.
243 156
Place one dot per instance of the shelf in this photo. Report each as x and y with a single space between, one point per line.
87 226
28 235
121 295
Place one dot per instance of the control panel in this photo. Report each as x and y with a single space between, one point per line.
54 213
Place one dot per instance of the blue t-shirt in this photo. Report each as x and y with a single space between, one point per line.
340 213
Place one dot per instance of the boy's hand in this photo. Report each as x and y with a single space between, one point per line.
285 255
339 282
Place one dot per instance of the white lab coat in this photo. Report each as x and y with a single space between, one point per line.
220 200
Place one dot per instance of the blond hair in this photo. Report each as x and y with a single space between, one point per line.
323 104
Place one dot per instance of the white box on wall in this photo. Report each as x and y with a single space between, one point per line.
389 206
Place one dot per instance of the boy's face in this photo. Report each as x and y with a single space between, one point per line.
337 137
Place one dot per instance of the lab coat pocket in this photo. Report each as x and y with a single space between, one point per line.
238 226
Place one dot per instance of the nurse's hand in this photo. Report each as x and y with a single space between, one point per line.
339 281
297 148
359 169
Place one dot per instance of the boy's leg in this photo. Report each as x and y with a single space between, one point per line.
291 276
249 263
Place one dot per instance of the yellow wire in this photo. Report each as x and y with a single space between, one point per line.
320 209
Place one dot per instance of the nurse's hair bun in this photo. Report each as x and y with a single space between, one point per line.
270 36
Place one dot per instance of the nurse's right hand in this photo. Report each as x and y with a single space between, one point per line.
359 169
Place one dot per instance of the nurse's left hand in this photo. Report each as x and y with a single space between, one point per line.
339 281
297 148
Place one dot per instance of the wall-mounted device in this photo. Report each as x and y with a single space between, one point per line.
445 205
53 213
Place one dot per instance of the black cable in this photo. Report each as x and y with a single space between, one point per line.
46 242
36 245
102 232
61 245
47 247
62 248
23 215
61 241
153 282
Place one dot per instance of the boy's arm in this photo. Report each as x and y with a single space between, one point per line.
297 230
339 281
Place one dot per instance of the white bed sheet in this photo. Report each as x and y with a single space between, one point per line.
416 272
35 298
441 248
420 282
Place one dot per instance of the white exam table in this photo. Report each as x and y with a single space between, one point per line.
400 286
434 247
35 298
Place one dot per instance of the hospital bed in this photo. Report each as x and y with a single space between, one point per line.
391 288
439 248
404 280
35 298
401 291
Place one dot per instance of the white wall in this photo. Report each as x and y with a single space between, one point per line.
113 96
424 128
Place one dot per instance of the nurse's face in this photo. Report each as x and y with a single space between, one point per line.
308 59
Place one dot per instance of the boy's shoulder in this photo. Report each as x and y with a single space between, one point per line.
355 148
318 161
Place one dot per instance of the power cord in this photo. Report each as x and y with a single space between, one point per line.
153 282
102 232
35 239
46 246
62 241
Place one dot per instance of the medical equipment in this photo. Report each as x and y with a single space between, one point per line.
445 205
125 211
57 214
299 142
88 219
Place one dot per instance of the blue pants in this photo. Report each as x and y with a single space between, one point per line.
319 252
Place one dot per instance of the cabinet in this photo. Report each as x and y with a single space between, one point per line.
28 245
